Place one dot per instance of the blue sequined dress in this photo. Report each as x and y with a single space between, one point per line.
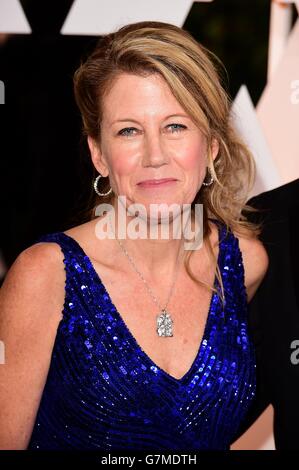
104 392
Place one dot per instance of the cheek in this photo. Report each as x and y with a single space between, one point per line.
192 158
121 164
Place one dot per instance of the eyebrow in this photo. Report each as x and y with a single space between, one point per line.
134 120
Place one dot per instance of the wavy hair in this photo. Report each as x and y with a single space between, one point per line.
194 76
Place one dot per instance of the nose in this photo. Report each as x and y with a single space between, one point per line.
153 154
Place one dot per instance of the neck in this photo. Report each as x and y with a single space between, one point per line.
156 256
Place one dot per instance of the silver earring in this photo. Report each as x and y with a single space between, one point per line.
211 178
95 185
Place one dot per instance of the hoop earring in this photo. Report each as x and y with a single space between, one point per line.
95 185
211 178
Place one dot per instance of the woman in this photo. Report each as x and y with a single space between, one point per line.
90 364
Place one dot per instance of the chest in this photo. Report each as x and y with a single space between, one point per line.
188 306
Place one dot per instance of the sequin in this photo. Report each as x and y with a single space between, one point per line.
104 392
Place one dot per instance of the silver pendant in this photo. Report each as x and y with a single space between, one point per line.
164 324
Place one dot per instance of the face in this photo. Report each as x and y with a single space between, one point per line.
146 135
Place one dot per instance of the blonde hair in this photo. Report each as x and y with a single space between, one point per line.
193 74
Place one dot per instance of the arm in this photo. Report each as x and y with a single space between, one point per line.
31 301
256 263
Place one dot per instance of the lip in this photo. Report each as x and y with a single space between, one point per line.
157 182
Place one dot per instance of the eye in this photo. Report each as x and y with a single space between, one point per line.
126 131
177 127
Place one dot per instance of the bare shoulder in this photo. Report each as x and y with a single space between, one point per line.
32 293
35 265
255 260
103 251
42 255
31 302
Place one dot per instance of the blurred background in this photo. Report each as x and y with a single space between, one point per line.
45 169
45 172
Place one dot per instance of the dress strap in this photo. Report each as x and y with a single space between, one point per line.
73 261
66 243
231 261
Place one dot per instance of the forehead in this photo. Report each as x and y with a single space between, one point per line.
149 95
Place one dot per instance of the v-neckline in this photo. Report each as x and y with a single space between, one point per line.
129 334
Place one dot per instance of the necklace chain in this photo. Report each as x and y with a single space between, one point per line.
140 274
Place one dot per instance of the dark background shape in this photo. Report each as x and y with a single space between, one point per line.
45 169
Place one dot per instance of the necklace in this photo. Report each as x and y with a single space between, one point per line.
164 321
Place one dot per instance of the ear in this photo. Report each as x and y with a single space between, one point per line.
97 157
214 148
